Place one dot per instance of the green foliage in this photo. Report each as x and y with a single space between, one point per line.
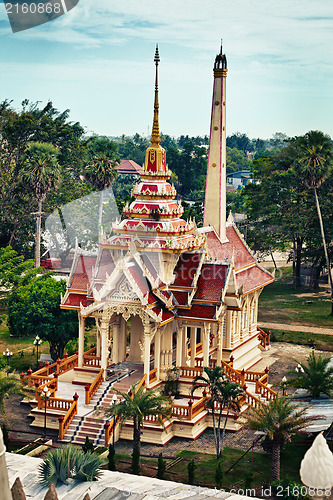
161 467
111 458
316 378
101 158
5 436
191 471
135 466
88 446
34 309
237 160
289 489
68 462
193 211
171 386
15 271
218 475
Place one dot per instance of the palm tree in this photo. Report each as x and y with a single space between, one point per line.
42 172
280 419
315 156
100 170
8 385
222 393
136 405
316 377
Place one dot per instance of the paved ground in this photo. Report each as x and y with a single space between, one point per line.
297 328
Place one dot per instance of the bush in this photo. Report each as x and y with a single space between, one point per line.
5 436
68 462
218 475
161 466
288 489
88 447
111 458
191 471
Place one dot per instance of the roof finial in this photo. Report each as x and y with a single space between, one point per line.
221 46
155 135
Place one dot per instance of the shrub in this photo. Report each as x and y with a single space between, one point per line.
161 466
68 462
191 471
88 447
218 475
288 489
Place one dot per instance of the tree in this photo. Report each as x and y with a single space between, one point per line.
191 466
41 171
14 272
9 384
161 467
316 378
100 170
222 393
314 161
34 309
69 462
280 419
140 403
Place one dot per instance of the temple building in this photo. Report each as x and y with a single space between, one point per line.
163 292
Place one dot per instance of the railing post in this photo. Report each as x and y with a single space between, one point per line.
231 361
190 404
56 375
61 427
58 365
22 375
107 433
29 373
86 388
242 377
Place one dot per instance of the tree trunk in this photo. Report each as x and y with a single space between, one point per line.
276 447
224 429
325 247
297 260
215 433
38 229
136 434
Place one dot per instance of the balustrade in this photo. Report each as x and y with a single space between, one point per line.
92 389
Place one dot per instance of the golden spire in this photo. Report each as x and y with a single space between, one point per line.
155 135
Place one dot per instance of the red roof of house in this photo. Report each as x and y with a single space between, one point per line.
234 246
105 264
181 297
211 282
253 278
83 273
166 315
186 269
198 311
75 299
128 167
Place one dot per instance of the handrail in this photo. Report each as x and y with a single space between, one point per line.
153 375
92 388
65 420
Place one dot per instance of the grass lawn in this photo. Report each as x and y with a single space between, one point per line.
258 463
281 303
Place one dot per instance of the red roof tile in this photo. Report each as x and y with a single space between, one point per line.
211 282
139 278
234 245
83 273
165 314
186 269
181 297
75 299
198 311
128 167
253 278
105 264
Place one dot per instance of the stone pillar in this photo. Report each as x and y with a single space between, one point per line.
193 345
205 344
122 340
81 340
228 329
98 342
115 344
104 332
180 347
157 353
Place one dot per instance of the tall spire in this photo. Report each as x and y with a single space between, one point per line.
155 135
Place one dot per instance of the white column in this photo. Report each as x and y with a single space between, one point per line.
146 358
157 353
219 343
193 345
179 347
229 329
205 344
98 342
185 347
122 340
81 340
115 344
104 331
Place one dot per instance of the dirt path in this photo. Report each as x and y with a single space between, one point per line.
297 328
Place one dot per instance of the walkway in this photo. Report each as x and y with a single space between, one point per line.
297 328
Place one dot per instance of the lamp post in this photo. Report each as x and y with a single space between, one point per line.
37 343
46 395
283 384
7 354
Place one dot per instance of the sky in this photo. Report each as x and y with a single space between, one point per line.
97 61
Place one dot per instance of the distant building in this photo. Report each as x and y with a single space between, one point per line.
239 179
129 167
